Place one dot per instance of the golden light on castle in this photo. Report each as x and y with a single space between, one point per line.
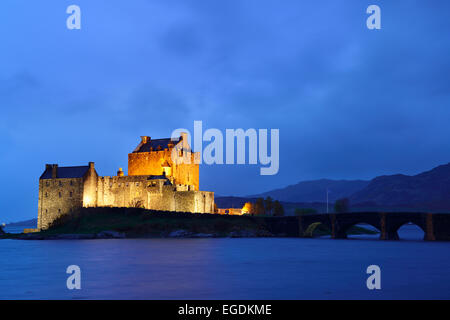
87 201
154 182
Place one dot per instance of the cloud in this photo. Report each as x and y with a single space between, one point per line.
349 102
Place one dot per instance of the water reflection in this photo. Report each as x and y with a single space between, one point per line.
262 268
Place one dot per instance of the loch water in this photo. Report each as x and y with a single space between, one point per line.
238 268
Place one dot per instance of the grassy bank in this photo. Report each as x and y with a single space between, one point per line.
141 222
135 223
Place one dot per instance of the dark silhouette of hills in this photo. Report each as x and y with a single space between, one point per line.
315 190
31 222
430 189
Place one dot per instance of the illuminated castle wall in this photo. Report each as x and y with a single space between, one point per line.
153 157
154 182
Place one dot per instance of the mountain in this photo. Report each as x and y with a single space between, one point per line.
429 190
315 190
31 222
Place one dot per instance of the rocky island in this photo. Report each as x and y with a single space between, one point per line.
104 223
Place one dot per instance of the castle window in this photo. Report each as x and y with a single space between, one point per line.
127 184
71 182
46 195
59 210
60 184
46 210
60 195
47 183
71 193
137 184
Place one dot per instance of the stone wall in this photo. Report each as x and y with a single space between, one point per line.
230 211
131 191
61 196
123 191
58 197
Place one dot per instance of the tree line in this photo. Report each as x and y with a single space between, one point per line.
265 206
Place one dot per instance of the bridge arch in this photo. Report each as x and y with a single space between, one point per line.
343 229
394 228
434 226
314 227
309 224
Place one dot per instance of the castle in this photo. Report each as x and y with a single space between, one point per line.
155 181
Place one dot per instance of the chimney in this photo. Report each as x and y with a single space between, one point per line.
184 138
145 139
54 171
91 165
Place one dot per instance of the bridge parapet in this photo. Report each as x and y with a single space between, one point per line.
435 226
439 224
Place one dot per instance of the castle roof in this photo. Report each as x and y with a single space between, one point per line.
65 172
162 177
156 144
153 177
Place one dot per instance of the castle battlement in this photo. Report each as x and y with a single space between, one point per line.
154 182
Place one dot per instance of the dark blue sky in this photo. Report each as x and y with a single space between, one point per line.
349 102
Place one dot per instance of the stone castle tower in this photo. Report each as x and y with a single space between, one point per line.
154 181
154 157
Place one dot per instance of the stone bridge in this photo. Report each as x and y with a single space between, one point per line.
436 226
